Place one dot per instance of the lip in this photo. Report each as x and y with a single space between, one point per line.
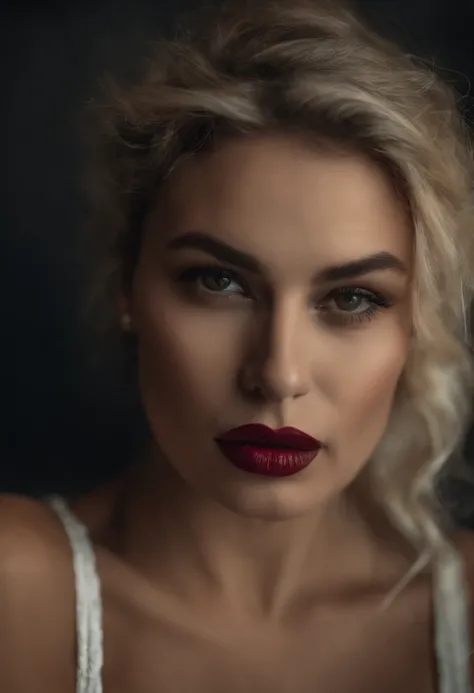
286 437
258 449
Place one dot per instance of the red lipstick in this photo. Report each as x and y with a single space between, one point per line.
261 450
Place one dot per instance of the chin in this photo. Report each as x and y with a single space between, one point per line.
270 500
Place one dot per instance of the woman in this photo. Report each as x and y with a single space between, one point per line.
286 199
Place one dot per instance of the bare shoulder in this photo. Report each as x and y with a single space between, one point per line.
32 541
37 601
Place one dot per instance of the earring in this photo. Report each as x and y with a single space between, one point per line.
126 322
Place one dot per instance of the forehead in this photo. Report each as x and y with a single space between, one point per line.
281 197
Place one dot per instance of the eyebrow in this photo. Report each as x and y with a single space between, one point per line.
226 253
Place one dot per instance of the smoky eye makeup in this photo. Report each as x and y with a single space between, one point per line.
352 305
348 305
214 280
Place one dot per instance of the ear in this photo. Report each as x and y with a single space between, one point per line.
124 312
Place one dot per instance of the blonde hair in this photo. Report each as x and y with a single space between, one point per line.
311 67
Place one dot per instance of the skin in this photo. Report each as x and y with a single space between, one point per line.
274 347
215 579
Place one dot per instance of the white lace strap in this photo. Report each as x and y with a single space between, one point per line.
88 601
452 626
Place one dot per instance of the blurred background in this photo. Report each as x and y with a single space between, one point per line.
67 423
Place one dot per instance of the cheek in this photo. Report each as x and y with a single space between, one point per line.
368 384
188 358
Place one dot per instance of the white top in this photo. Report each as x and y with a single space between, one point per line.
451 612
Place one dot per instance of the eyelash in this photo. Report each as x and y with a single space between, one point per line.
377 301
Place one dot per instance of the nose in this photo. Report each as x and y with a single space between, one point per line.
279 366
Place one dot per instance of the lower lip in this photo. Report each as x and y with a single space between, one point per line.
266 461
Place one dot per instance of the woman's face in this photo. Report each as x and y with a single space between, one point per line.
273 287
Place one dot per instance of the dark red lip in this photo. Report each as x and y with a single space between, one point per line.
261 450
290 438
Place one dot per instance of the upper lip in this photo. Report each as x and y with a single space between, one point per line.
287 437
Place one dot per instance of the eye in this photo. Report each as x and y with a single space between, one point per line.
218 281
353 304
214 280
351 301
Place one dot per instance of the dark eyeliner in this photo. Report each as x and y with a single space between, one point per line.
377 302
191 275
372 296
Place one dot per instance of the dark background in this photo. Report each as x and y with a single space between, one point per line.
67 423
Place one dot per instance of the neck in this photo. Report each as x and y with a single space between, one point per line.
200 550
